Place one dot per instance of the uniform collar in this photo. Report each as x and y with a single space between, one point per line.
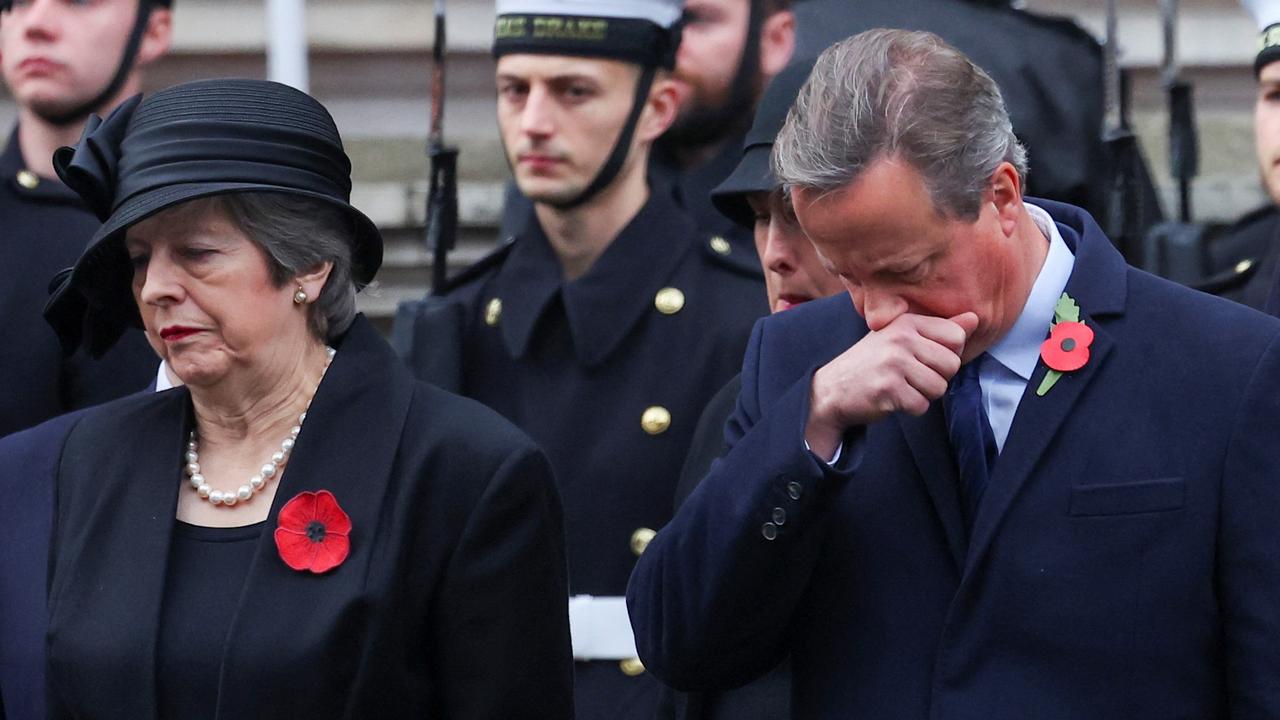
16 178
604 304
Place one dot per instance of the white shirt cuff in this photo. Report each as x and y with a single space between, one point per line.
834 458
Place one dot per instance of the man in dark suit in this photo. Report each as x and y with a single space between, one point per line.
936 510
61 61
606 325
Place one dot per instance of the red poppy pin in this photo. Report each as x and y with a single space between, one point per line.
313 532
1067 348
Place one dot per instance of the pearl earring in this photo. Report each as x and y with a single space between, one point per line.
300 297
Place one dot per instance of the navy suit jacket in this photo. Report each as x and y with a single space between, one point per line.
1124 563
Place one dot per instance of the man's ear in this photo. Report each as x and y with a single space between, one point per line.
1006 191
777 42
660 109
157 38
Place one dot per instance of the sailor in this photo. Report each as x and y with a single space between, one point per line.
61 61
729 52
608 322
1253 242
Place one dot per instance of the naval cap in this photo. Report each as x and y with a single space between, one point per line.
646 32
1266 14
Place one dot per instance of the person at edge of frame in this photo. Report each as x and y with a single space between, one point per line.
793 275
61 61
604 327
1006 476
1254 239
729 52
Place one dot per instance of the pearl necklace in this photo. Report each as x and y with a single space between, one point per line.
246 491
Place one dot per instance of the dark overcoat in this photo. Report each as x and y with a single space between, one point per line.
44 227
1123 562
450 605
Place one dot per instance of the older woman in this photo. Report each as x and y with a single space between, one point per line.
302 530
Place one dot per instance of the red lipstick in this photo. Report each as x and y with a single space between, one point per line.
174 333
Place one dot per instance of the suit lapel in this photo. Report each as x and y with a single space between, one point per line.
1098 283
347 446
127 558
927 437
1035 425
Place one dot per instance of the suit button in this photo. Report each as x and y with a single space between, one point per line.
640 540
719 245
669 301
493 312
631 667
793 490
28 179
769 531
655 420
779 516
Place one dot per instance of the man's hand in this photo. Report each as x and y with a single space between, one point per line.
903 367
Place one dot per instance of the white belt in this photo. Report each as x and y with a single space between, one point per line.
600 628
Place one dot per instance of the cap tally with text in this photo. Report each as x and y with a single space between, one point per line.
646 32
1266 14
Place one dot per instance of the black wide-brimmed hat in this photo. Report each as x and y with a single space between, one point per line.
190 141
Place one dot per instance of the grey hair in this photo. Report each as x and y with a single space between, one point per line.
899 94
299 233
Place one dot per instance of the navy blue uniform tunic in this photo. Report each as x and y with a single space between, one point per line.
43 229
609 373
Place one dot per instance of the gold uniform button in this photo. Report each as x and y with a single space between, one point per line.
640 540
493 312
669 301
655 420
631 667
720 246
28 179
1243 266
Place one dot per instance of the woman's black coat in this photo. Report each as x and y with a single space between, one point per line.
452 603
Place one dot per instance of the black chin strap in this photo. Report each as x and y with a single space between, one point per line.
80 112
618 156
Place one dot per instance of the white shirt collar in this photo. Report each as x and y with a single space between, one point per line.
1019 349
162 377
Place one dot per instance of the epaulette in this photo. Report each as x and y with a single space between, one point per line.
479 268
732 256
